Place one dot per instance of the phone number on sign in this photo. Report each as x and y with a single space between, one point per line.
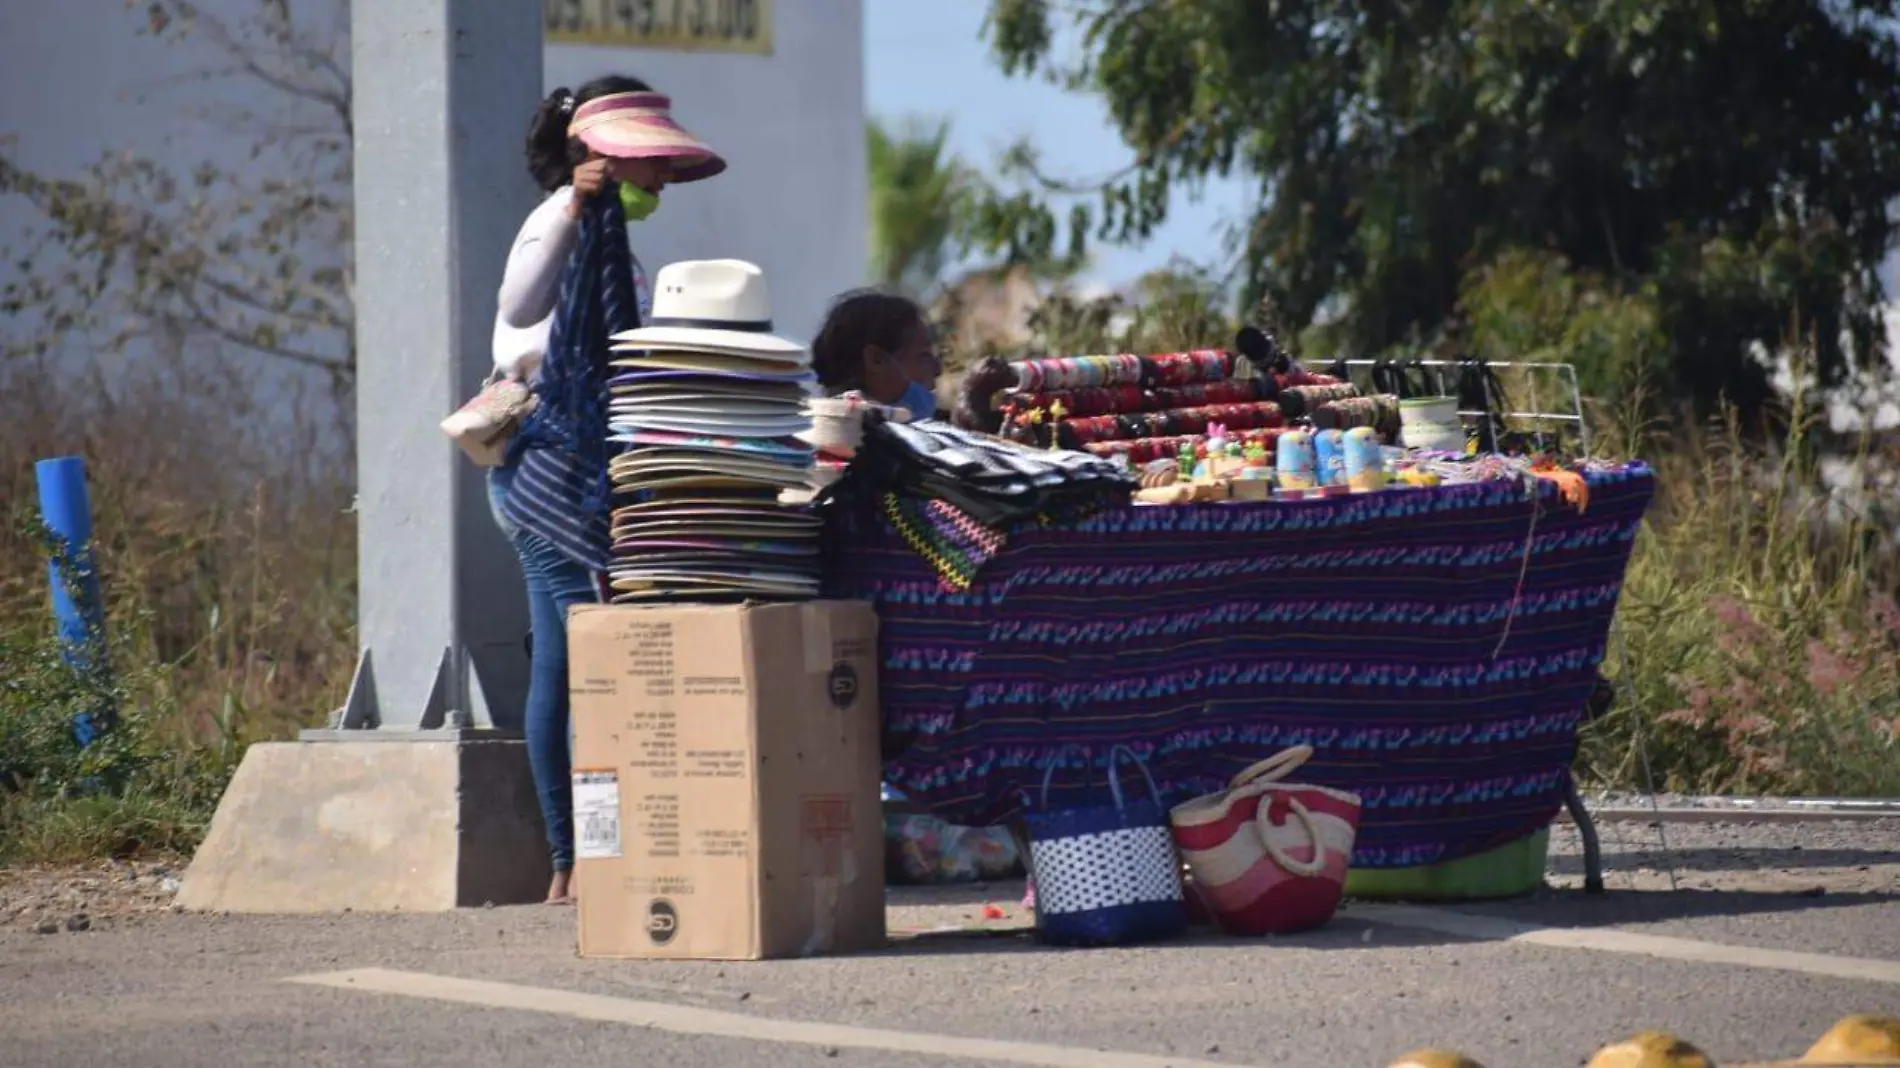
713 25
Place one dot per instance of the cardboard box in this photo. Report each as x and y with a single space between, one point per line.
726 775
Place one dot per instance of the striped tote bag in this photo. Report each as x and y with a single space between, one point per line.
1268 856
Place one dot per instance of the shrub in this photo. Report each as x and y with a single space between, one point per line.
139 787
1763 637
227 558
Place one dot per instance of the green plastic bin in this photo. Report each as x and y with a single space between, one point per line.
1508 871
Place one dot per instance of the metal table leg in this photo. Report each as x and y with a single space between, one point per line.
1587 830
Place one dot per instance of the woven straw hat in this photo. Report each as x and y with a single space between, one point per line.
641 126
717 306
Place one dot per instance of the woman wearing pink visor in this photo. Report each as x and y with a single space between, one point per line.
604 154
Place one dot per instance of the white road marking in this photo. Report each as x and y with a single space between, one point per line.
1613 940
698 995
686 1020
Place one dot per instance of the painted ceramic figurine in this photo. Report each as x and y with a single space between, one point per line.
1295 460
1255 457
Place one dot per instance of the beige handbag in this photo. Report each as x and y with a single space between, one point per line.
484 426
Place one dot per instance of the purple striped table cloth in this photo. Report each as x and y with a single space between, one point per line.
1436 647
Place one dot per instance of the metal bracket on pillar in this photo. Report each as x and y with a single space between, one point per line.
475 708
444 714
435 710
455 700
359 711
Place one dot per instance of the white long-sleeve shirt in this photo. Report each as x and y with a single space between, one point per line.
531 283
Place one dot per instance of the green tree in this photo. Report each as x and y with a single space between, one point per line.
919 197
1534 307
1734 158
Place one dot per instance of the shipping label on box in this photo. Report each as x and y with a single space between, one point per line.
596 814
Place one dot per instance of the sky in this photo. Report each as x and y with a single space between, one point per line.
927 58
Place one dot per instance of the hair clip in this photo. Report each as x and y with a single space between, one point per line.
567 104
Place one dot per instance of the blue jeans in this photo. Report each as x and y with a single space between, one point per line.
555 584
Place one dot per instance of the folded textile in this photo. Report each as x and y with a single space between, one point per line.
1126 399
954 543
1164 369
1380 411
1297 401
990 464
1088 430
956 495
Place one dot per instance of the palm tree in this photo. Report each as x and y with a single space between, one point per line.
919 195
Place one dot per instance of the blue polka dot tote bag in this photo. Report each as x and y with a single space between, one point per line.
1106 875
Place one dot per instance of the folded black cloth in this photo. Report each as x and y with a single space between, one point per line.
998 483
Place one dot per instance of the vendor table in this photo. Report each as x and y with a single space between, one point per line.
1436 647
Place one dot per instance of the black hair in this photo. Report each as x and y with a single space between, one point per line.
857 320
552 155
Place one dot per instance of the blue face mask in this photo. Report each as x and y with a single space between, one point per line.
920 400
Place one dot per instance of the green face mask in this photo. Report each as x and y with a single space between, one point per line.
637 202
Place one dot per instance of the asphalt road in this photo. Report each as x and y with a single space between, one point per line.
1777 932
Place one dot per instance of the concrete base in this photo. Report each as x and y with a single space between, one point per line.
426 826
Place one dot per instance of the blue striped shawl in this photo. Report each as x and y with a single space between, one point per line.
561 491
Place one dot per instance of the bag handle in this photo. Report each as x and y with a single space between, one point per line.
1115 781
1049 773
1274 768
1263 820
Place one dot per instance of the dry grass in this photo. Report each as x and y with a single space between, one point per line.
1759 613
223 537
227 556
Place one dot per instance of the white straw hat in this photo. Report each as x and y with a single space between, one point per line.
717 306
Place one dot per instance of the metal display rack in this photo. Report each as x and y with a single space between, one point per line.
1558 381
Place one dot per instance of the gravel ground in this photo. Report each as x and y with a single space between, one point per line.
1849 856
1677 803
52 900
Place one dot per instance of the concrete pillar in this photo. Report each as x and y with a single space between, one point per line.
443 93
444 815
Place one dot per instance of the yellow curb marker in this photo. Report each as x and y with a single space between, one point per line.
1651 1049
1435 1058
1858 1040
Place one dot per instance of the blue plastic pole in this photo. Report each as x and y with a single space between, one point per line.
78 609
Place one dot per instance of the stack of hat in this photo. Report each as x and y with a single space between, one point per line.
708 405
